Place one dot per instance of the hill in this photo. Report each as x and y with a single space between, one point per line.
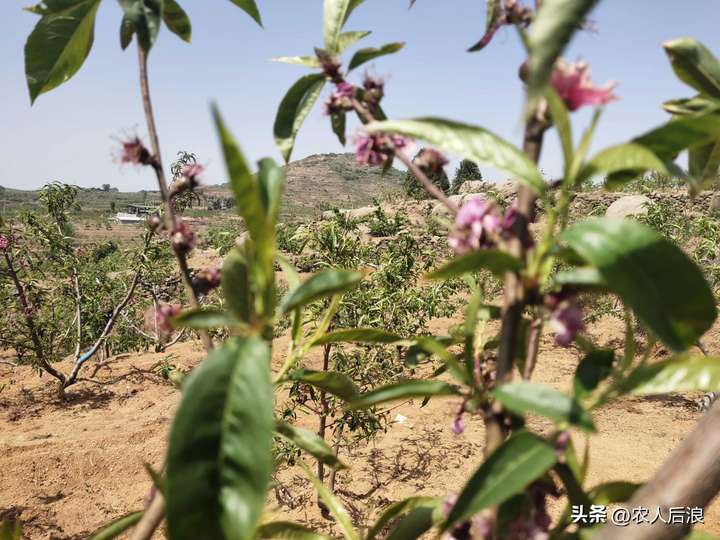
315 183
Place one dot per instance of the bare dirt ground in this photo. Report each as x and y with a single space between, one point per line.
67 468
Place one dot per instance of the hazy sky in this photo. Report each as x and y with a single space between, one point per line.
69 134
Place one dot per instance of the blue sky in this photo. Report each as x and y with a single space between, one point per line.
70 133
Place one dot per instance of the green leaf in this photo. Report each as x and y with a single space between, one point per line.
203 319
220 452
321 285
358 335
337 384
311 443
243 182
580 277
398 508
336 508
116 527
126 33
613 492
59 44
177 20
289 531
338 122
668 140
525 397
236 285
496 261
10 529
293 110
695 106
335 15
695 65
520 460
678 374
554 24
366 55
400 391
561 119
630 159
591 371
469 142
414 525
651 275
249 7
145 16
348 39
307 61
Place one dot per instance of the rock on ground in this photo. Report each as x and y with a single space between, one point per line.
628 206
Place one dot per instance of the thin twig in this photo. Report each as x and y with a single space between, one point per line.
151 519
170 218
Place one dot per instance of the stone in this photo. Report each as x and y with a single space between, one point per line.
628 206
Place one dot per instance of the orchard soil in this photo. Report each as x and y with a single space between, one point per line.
67 468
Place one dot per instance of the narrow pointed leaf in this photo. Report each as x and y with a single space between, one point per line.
666 290
524 397
338 122
337 384
400 391
177 20
336 508
469 142
59 44
203 319
307 61
613 492
519 461
554 25
335 15
323 284
293 110
414 525
631 158
399 508
235 285
366 55
220 452
496 261
561 120
678 374
249 7
358 335
668 140
695 65
348 39
117 527
591 371
311 443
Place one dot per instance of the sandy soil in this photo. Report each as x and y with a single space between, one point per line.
66 468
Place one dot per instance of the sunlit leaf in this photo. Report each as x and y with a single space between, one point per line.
335 15
293 110
307 61
695 65
554 24
249 7
525 397
358 335
337 384
310 443
366 55
399 508
400 391
469 142
654 277
520 460
348 39
678 374
613 492
59 44
321 285
177 20
220 452
632 158
496 261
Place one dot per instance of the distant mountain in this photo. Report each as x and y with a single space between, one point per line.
314 184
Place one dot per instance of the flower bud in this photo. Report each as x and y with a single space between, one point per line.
341 99
476 226
134 152
566 317
182 237
206 280
378 149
